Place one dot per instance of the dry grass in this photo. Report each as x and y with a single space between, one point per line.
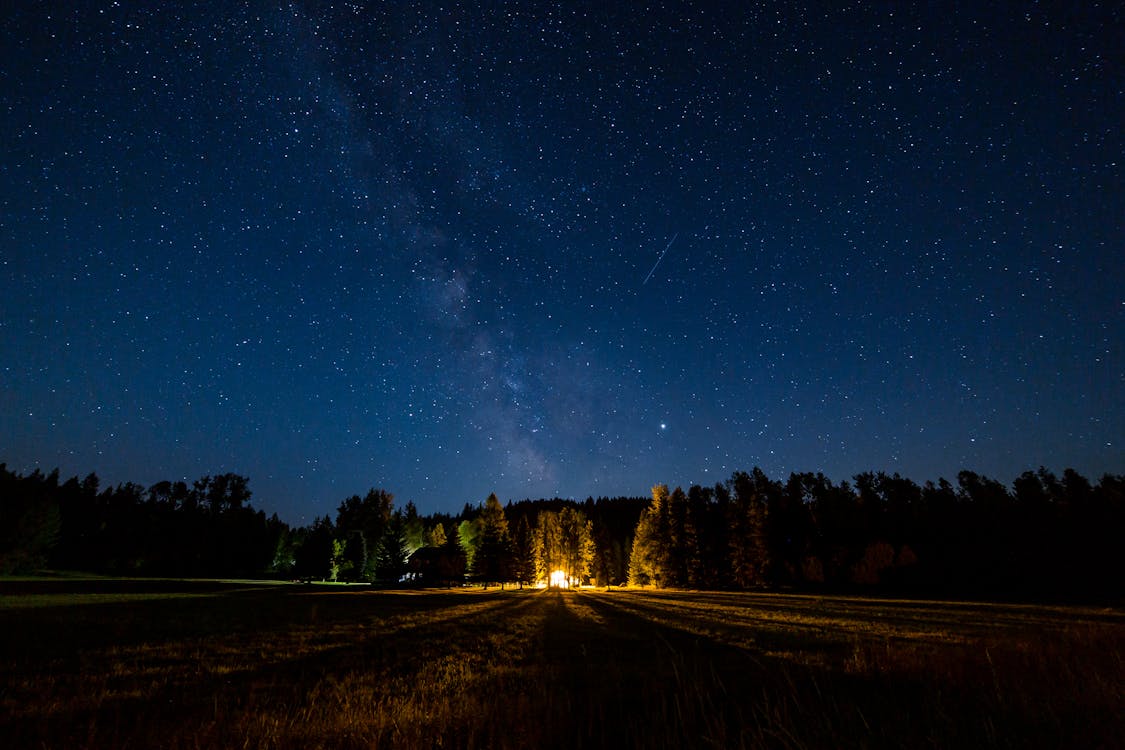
207 665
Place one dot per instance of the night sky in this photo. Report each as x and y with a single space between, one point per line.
453 249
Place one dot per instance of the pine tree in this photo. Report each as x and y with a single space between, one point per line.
390 563
493 557
681 540
413 529
563 542
548 555
649 559
751 560
523 552
577 545
371 515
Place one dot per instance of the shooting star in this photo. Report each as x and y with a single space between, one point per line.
657 263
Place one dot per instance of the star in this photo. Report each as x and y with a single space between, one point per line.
437 274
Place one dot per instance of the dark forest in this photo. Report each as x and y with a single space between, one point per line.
1044 537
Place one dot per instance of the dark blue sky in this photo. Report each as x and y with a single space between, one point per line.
340 245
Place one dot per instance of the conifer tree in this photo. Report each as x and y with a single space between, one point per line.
563 542
649 560
493 557
523 552
750 554
577 545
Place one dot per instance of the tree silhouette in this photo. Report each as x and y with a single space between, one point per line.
315 557
523 552
493 561
1046 536
30 520
371 516
751 557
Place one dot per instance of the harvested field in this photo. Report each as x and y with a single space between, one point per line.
182 664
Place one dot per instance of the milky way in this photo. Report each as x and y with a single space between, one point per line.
337 245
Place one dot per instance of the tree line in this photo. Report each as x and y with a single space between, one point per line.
1045 535
209 528
206 528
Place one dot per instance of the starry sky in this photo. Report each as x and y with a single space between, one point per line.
562 249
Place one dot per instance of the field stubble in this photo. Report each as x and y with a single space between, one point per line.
245 665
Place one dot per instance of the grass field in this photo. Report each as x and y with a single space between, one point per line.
183 664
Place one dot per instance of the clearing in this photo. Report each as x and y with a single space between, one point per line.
204 664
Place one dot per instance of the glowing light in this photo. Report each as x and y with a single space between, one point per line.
559 579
